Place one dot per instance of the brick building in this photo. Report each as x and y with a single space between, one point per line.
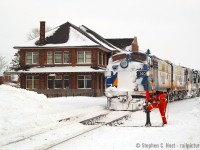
5 78
67 61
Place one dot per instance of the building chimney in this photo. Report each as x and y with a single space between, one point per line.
135 47
42 32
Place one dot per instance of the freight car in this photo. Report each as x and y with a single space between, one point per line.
128 72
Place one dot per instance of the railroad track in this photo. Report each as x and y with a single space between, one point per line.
44 129
96 122
51 138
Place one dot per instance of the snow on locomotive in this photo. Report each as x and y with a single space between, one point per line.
128 73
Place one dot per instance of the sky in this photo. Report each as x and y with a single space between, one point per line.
170 29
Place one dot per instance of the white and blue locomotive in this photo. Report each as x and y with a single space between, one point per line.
128 72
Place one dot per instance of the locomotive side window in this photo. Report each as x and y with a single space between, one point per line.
119 57
163 67
140 57
194 78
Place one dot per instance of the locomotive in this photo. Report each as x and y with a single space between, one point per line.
128 73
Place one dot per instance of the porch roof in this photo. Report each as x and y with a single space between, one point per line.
60 69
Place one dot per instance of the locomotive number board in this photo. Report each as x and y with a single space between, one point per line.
141 73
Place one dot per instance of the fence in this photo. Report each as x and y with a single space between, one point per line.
70 92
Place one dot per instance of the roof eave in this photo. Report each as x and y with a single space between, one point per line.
47 47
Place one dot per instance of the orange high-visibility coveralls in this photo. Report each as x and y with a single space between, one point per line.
159 101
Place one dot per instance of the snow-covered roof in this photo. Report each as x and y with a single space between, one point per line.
99 39
121 43
61 69
69 35
65 35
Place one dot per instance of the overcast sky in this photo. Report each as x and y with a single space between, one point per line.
169 28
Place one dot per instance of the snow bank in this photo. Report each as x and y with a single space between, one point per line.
18 106
22 110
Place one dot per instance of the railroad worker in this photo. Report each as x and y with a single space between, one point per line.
158 101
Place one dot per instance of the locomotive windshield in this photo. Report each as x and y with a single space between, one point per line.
119 57
138 56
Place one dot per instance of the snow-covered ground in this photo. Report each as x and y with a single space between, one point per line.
25 113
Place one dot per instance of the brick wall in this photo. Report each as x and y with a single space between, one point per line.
97 78
1 80
22 81
72 56
6 78
43 57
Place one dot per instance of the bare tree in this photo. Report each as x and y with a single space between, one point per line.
36 32
3 63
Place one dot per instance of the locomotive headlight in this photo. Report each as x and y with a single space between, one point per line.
124 63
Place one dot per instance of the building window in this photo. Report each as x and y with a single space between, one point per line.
50 82
49 57
58 57
58 81
105 59
66 57
32 82
66 82
84 57
32 57
80 57
102 58
84 82
98 58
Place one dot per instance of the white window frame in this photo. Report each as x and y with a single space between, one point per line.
105 59
60 58
84 79
32 80
32 54
84 57
52 80
58 79
50 58
102 58
65 80
98 58
65 52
